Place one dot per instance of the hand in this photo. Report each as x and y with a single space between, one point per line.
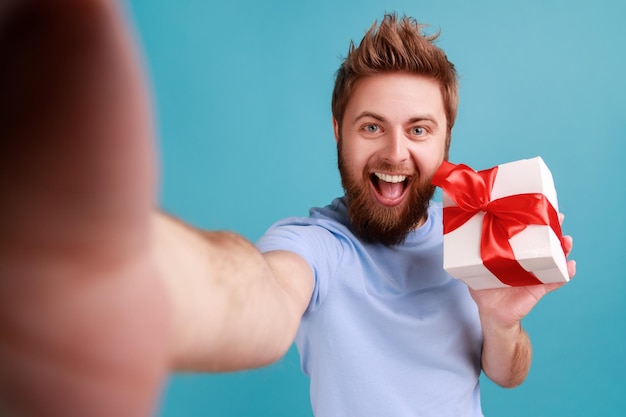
507 306
83 322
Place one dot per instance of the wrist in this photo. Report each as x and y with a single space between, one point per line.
492 326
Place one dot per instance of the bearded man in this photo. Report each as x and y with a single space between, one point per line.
386 330
100 297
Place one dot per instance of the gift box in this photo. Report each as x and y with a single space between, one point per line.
501 225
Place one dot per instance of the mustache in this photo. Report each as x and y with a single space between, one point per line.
387 167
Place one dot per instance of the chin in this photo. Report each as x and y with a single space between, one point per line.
377 223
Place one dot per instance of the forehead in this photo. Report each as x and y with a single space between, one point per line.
396 96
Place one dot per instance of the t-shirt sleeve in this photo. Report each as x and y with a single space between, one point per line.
317 245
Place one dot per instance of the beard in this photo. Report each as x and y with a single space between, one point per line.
373 222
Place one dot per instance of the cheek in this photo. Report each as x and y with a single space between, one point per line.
428 158
355 157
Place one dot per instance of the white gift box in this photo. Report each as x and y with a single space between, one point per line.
537 248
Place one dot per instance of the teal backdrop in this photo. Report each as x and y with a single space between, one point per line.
242 102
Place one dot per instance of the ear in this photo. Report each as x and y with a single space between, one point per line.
336 129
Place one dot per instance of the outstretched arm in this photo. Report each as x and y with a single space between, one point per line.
507 351
233 308
99 298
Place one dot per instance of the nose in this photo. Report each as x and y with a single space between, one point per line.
395 148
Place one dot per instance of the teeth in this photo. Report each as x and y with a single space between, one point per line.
390 178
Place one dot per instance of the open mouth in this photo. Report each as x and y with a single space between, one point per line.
389 189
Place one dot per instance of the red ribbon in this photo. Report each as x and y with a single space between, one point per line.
504 217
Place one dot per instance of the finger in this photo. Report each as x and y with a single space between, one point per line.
571 268
554 286
568 243
561 218
74 125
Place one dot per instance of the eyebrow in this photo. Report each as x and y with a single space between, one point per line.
421 118
365 114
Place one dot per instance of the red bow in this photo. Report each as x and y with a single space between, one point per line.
504 217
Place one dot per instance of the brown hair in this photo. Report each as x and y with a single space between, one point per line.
396 45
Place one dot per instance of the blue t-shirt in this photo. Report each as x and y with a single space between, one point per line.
387 332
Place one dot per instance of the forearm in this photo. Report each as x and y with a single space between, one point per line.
507 353
229 310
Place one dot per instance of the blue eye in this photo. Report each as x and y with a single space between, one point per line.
371 128
418 131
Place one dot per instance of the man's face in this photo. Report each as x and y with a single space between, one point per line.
392 140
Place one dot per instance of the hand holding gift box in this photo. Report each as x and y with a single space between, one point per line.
501 225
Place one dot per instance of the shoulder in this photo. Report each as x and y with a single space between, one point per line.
324 225
321 236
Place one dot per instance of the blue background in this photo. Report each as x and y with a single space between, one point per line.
242 101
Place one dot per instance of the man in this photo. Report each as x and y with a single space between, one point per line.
387 331
99 298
